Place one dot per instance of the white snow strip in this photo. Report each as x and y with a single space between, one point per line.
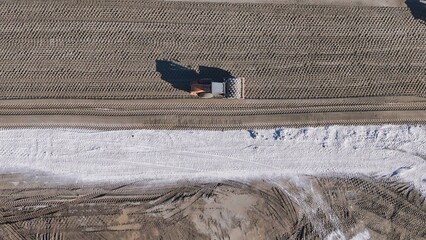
365 235
336 235
131 155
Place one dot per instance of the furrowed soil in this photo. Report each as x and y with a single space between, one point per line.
150 49
304 207
82 63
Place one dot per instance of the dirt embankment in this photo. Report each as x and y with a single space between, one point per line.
304 208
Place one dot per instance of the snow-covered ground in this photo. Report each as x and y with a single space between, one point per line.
114 156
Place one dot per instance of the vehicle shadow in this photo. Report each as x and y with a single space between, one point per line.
417 8
213 73
177 75
180 77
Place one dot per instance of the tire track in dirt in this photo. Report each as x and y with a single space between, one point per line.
213 111
214 122
273 211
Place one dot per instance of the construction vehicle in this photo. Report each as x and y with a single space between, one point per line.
230 87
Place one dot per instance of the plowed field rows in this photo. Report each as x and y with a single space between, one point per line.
129 49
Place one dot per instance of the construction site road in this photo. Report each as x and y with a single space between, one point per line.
210 114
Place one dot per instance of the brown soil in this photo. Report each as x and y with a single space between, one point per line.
302 208
127 49
210 114
329 64
376 3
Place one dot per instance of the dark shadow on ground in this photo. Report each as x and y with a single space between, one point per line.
418 9
177 75
180 77
213 72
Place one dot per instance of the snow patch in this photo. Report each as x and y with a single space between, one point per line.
365 235
396 151
335 235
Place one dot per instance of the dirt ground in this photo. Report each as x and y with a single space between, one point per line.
305 207
376 3
80 52
210 114
129 49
